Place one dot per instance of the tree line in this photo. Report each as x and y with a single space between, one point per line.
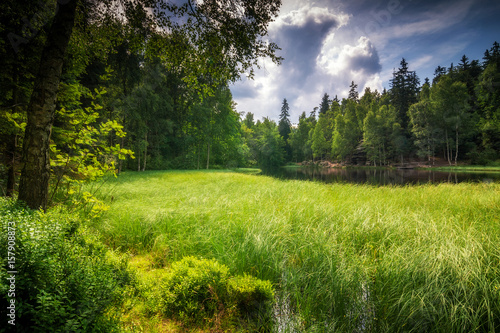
454 117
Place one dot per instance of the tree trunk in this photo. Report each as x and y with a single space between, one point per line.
139 161
198 152
34 182
145 151
383 151
10 162
120 161
208 155
448 154
456 145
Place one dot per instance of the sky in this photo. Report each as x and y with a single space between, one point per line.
327 44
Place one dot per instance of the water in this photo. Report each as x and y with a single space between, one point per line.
382 176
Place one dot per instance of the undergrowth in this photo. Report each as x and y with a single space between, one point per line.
65 279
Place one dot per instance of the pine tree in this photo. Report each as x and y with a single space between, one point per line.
492 56
438 72
325 104
353 92
284 126
404 92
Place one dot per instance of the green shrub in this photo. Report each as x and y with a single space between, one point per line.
64 281
195 288
253 298
202 291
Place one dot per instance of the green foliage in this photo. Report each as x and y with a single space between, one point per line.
347 134
299 139
82 149
252 296
320 145
488 91
380 133
424 124
271 146
450 100
65 281
202 290
194 289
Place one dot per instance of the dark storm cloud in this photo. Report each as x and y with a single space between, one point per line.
368 63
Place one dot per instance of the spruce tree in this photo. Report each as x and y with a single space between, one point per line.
325 104
353 92
404 92
285 128
438 72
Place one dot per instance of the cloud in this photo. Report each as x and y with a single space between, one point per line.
412 30
425 60
360 59
301 33
306 15
416 18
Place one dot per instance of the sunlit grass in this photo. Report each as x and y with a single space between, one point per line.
343 257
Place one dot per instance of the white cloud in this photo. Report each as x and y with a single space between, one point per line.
423 61
356 60
406 25
307 14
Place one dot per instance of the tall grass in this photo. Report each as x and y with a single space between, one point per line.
343 257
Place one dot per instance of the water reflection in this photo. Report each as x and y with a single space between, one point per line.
382 176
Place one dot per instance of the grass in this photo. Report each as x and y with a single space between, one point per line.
342 257
467 168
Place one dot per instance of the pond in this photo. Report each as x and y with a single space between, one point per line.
382 176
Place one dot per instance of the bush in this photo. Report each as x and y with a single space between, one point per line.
485 157
64 281
195 288
253 298
202 291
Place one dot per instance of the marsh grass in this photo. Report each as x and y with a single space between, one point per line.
342 257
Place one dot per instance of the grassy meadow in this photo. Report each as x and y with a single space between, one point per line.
341 257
